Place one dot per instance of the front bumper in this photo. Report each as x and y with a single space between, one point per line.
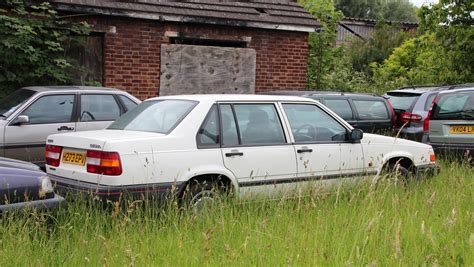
427 170
158 191
464 151
42 204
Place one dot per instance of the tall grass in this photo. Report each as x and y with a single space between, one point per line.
430 222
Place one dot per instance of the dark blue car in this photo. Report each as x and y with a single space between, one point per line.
23 184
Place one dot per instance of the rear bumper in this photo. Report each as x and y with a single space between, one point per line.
457 150
159 191
49 203
427 170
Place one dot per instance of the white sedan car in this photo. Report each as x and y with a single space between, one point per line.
238 143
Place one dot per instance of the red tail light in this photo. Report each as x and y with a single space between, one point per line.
394 116
409 117
100 162
426 123
52 155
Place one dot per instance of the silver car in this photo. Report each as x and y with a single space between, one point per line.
451 123
30 114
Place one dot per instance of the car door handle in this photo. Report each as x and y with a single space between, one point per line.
304 150
65 128
231 154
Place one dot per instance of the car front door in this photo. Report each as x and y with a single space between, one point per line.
97 111
47 115
255 148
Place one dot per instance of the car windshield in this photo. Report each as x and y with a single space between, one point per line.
158 116
11 102
402 101
457 106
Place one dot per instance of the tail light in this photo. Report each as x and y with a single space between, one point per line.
426 123
100 162
394 116
52 155
409 117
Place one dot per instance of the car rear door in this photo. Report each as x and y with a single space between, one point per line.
255 148
48 114
97 111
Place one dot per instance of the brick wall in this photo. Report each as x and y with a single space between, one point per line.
132 54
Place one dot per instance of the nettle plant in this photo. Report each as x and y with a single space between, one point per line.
31 51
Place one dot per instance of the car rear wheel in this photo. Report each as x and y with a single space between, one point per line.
201 196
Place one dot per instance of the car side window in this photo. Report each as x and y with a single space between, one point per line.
127 102
311 124
371 109
51 109
230 136
208 134
99 108
341 107
257 124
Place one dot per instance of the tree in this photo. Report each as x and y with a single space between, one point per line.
31 50
395 10
440 54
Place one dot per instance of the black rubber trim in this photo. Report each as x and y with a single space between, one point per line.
304 179
23 146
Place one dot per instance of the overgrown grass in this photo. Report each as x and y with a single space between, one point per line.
430 222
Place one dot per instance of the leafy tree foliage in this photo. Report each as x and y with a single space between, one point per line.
441 54
30 45
396 10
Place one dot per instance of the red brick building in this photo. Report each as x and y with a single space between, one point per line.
156 47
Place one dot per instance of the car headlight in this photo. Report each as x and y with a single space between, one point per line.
46 186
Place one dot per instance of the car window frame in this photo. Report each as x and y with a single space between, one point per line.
325 110
79 106
35 98
279 114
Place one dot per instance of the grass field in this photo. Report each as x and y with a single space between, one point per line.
430 222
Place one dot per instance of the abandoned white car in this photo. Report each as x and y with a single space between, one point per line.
241 143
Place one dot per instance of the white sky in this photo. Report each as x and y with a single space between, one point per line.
418 3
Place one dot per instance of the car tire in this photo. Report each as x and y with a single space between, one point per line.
200 196
399 173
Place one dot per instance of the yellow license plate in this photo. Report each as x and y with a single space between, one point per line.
74 158
462 129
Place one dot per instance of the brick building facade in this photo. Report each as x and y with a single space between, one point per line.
133 36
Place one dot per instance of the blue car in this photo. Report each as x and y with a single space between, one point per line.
24 185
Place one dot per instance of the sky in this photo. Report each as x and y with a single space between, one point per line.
418 3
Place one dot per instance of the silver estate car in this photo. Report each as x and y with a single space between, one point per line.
28 115
451 123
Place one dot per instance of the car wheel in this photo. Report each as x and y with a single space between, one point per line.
398 173
200 196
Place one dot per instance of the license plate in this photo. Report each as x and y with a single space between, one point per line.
74 158
462 129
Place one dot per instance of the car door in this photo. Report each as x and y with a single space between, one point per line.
255 148
97 111
49 114
321 143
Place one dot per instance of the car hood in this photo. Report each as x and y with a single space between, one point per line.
13 163
381 139
18 184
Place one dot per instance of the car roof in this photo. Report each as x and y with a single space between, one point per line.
233 97
457 90
312 93
70 88
428 88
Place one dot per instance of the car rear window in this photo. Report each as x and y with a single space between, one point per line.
429 101
159 116
403 101
371 109
456 106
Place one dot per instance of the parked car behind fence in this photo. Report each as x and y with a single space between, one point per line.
30 114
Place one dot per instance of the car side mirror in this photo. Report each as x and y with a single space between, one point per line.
356 135
21 119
